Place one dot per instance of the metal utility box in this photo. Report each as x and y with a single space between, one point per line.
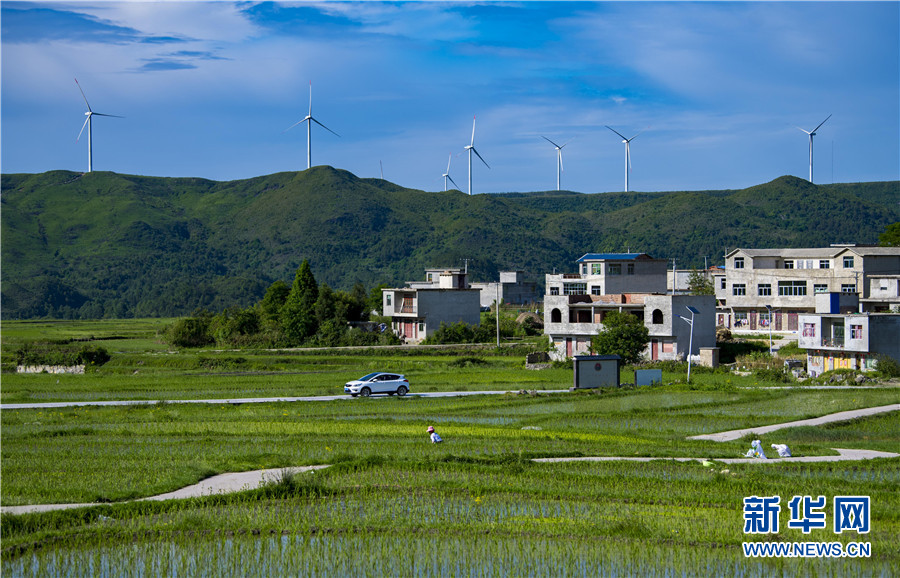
593 371
647 376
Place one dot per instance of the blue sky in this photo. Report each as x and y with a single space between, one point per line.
208 88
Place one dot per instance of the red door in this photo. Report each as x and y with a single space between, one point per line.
654 350
568 347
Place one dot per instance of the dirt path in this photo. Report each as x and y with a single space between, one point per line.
737 434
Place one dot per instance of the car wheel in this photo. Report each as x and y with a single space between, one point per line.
402 390
365 392
353 395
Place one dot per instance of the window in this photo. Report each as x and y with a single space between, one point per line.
824 264
430 279
596 290
388 296
555 316
764 289
554 291
574 288
848 287
739 289
740 319
820 288
848 262
584 269
788 263
596 268
631 268
421 328
738 262
657 317
809 330
791 288
856 332
614 269
722 283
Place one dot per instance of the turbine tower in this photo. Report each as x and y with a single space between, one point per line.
811 134
447 174
559 163
87 123
627 142
309 120
471 149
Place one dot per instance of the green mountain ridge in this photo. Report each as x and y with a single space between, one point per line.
108 245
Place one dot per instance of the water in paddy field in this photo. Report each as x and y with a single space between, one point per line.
356 553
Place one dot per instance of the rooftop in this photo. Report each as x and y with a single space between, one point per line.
613 257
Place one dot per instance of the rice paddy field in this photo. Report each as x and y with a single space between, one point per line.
391 503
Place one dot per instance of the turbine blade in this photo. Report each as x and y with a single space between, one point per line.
83 96
821 123
551 142
561 167
474 150
567 142
109 115
628 154
802 129
615 131
454 182
295 124
310 98
82 128
473 133
450 158
325 127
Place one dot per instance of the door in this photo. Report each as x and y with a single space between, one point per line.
792 322
753 320
777 321
568 347
654 349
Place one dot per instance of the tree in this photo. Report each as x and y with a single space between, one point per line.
700 284
891 236
298 316
274 300
623 334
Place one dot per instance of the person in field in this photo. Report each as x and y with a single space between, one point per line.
435 438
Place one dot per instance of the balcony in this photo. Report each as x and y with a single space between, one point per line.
836 342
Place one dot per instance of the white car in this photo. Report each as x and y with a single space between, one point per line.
378 382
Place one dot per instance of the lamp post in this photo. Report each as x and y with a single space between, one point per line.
693 311
769 309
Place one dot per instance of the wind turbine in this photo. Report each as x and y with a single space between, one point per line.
87 123
559 163
309 120
811 134
447 174
627 142
471 149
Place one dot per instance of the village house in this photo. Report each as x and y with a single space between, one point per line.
417 310
575 305
760 288
835 340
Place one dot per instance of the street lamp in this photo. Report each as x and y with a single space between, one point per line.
769 309
693 311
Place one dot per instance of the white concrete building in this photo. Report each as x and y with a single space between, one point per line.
787 281
575 305
848 341
513 290
417 311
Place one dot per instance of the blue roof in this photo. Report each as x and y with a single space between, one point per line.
610 257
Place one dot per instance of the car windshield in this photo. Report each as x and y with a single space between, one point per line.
368 377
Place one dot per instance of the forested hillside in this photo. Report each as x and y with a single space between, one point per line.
110 245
